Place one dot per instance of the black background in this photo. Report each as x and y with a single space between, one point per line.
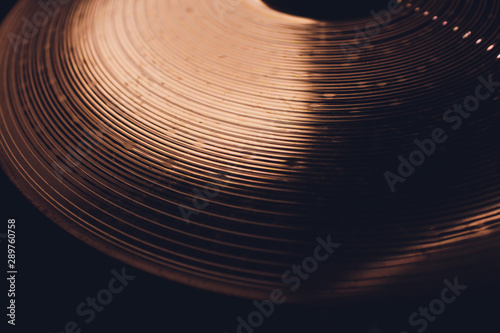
57 272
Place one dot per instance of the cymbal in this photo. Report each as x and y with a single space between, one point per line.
217 143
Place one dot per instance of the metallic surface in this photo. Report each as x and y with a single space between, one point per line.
117 113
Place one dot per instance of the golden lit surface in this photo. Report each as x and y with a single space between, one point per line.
118 111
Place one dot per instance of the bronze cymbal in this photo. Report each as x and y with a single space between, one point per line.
213 142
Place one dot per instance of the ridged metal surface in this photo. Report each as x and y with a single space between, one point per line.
118 111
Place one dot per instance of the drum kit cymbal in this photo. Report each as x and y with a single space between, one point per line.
215 143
